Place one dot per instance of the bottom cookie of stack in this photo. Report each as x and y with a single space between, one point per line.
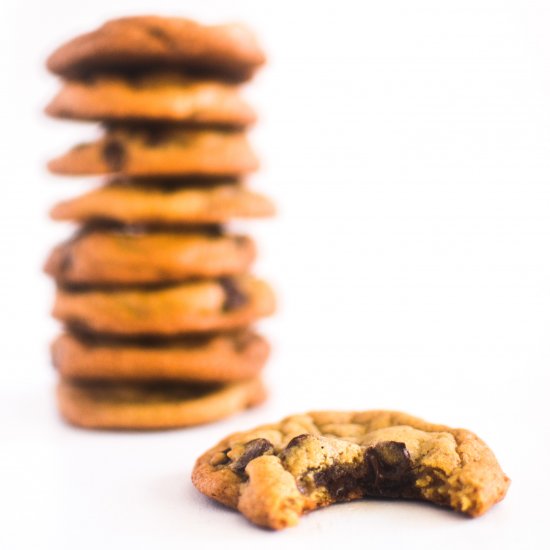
153 405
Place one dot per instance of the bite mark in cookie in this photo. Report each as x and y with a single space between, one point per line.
278 472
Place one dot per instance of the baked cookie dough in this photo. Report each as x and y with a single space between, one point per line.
166 97
168 151
140 256
144 42
198 306
223 357
134 406
277 472
131 203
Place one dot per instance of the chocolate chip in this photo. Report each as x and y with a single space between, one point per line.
114 154
298 440
341 480
234 297
389 469
386 471
253 449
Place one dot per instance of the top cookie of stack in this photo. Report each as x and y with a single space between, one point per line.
154 293
173 79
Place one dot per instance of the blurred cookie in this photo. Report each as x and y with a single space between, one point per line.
167 97
275 473
150 204
144 42
155 405
134 256
201 358
205 305
160 151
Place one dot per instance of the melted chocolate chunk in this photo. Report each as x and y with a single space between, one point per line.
389 469
253 449
234 297
386 471
298 440
341 480
114 154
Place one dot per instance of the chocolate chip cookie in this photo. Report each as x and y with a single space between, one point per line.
153 406
167 151
154 204
154 293
198 306
277 472
102 256
142 43
208 358
166 97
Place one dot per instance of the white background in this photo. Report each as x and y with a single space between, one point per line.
407 146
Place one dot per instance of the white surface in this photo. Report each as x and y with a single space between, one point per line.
407 144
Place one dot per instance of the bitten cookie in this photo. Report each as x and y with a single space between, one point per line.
143 42
205 305
153 406
168 151
166 97
152 204
224 357
134 256
277 472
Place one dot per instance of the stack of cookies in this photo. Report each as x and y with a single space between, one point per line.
153 289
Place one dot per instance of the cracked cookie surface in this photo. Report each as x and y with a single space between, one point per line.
275 473
141 42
